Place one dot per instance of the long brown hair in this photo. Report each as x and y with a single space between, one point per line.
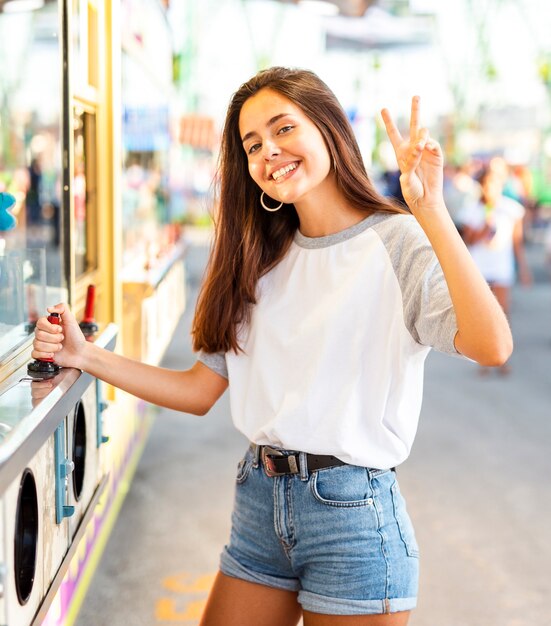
248 241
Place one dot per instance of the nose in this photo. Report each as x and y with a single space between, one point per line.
270 149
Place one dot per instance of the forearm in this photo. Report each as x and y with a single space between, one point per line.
178 390
483 331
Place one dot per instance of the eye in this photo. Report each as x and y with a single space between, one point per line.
285 129
252 149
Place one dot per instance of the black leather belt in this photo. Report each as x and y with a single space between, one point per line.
277 463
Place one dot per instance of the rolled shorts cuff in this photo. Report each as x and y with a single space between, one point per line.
316 603
232 567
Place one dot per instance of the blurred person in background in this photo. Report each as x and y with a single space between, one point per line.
516 177
517 183
460 190
493 230
34 194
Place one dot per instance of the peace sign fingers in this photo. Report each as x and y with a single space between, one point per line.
392 131
408 151
414 119
419 158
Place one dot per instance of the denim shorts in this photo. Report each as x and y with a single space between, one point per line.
340 537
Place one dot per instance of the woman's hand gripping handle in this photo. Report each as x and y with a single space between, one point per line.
63 342
191 391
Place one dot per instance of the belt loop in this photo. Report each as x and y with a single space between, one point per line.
256 454
303 464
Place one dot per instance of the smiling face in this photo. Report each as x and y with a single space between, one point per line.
286 153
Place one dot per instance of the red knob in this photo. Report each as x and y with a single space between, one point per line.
54 318
90 304
88 325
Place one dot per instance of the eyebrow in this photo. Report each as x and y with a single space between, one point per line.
271 121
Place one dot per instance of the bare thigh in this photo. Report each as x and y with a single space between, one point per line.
234 602
393 619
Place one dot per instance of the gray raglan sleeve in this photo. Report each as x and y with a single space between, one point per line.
216 361
428 311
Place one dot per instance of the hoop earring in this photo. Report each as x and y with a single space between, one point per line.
267 207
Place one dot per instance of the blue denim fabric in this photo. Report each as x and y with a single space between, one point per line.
341 537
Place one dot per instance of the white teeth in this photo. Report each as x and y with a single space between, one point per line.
284 170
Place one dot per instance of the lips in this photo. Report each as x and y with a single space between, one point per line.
282 171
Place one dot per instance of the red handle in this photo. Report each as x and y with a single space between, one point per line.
53 318
90 304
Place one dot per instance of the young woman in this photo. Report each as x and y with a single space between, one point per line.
320 304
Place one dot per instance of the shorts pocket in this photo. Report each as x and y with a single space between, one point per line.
404 522
244 467
347 485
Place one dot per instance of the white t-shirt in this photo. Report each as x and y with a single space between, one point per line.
333 357
494 257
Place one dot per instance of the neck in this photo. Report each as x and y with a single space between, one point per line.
326 213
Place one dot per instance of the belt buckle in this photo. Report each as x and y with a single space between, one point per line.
268 463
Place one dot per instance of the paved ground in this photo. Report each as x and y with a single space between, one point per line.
478 486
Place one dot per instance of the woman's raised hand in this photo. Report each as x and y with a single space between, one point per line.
65 343
420 160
